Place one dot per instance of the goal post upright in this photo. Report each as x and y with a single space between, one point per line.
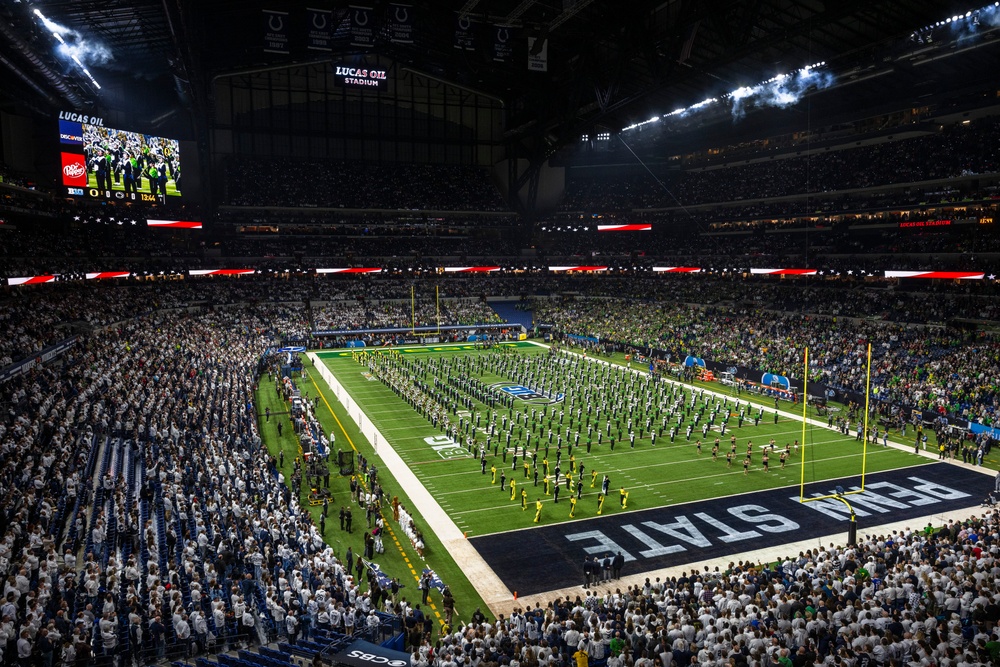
864 440
840 494
805 403
864 447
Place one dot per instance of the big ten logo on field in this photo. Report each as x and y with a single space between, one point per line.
528 395
447 448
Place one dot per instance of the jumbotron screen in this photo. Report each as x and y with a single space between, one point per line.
104 163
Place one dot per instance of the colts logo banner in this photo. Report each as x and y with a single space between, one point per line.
362 26
318 22
400 24
275 31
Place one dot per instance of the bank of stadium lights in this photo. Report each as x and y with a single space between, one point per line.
65 48
988 13
640 124
804 74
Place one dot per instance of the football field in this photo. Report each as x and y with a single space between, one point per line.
673 470
491 434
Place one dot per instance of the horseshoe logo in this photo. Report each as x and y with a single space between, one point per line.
319 21
276 23
402 14
464 23
358 14
503 35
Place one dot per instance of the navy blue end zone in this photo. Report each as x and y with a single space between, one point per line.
545 558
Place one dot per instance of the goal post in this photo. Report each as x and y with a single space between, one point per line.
839 495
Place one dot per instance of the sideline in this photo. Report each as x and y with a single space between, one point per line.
482 577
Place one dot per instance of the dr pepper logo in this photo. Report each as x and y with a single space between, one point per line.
74 170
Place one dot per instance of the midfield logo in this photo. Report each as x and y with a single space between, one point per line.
529 395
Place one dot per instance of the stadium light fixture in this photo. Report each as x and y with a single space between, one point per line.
65 48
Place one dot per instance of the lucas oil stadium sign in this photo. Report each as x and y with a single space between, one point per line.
359 77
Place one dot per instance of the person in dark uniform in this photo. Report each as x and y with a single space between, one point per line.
128 174
162 177
616 565
101 169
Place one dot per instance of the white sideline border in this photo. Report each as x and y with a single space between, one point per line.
482 577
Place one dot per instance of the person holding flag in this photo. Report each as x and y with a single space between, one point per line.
572 506
524 500
538 509
600 503
513 484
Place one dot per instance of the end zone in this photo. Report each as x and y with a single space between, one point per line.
540 559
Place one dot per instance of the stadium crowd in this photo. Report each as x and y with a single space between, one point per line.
143 518
389 314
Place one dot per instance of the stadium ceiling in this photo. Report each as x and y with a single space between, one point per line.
610 62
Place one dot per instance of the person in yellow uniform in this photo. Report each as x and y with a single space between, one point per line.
572 506
493 469
545 465
524 500
581 657
623 495
545 482
538 510
593 478
527 469
600 503
513 484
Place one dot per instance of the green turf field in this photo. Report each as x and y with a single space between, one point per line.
669 473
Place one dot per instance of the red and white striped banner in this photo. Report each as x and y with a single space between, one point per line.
356 269
470 269
31 280
578 268
946 275
101 275
174 224
638 227
677 269
220 272
784 272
